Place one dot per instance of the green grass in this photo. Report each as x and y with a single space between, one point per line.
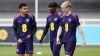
80 51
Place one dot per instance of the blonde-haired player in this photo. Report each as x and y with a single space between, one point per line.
68 25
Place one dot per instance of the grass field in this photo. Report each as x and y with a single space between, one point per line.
80 51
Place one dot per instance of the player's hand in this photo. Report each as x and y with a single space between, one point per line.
28 36
58 41
84 43
19 41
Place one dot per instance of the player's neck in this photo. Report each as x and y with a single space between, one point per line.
23 15
69 12
54 12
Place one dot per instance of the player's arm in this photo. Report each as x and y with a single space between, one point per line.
80 30
59 29
34 29
58 35
34 26
59 32
15 33
15 29
82 34
44 32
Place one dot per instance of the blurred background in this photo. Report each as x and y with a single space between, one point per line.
87 10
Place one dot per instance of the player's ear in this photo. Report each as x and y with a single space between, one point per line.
54 9
20 9
69 8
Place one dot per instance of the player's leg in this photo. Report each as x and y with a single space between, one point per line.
51 45
20 54
74 45
29 54
56 49
29 47
69 48
20 49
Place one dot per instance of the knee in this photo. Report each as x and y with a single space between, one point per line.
20 54
29 54
67 55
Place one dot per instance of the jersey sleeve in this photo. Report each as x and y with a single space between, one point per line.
15 29
45 30
33 25
33 20
77 21
47 23
14 22
60 23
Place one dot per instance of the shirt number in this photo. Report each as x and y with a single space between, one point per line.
24 28
66 27
52 26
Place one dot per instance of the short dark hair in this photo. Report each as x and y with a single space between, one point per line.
53 5
22 4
